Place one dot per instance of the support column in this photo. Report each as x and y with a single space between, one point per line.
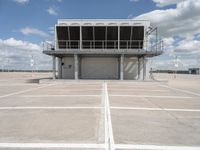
139 69
122 67
144 68
147 68
59 67
80 44
54 67
118 37
76 66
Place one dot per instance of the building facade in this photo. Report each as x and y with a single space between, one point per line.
194 70
102 49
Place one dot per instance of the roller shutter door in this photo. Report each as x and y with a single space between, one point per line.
99 68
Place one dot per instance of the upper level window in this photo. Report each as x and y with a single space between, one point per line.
100 37
68 37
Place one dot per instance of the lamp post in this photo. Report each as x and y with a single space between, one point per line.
176 66
32 65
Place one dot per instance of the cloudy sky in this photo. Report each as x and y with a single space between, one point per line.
26 23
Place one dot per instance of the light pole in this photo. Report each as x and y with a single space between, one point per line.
176 66
32 65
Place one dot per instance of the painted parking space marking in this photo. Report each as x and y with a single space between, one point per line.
154 147
132 89
111 107
109 128
151 96
155 109
109 137
27 108
51 145
94 146
60 95
16 84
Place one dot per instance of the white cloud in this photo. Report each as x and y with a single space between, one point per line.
33 31
187 51
21 1
19 44
133 0
184 20
16 54
189 46
162 3
168 41
52 10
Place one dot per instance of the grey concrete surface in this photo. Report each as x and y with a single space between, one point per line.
50 101
73 112
155 127
129 102
10 88
49 126
191 103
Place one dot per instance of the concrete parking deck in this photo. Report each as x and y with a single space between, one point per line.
112 115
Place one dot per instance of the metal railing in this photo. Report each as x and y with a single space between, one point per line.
48 45
100 44
105 44
157 46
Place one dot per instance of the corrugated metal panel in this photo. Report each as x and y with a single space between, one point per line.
99 68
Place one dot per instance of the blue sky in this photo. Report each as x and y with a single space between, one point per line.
26 23
34 14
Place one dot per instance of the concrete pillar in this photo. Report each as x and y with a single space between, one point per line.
76 68
54 67
147 68
80 38
118 38
59 67
122 67
144 68
139 68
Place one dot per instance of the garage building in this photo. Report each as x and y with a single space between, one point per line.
102 49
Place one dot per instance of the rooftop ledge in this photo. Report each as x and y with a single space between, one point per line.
132 52
97 22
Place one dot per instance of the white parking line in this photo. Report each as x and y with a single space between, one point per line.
132 89
151 96
79 90
21 108
55 95
24 91
155 109
93 146
120 108
111 142
16 84
106 128
180 90
155 147
51 145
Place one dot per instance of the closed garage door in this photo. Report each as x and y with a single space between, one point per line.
99 68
